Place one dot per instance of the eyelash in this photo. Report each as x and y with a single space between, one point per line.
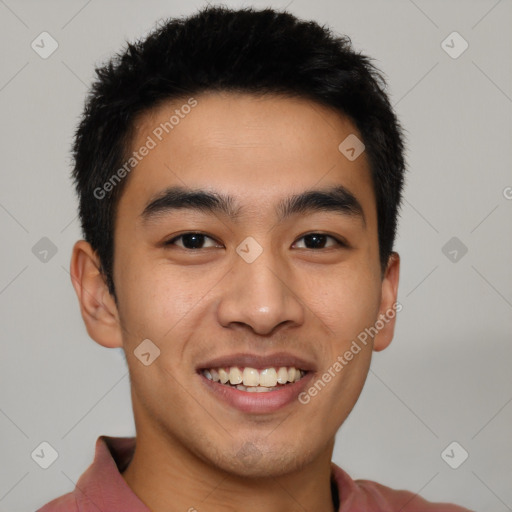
170 242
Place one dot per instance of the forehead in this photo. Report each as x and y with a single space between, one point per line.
254 147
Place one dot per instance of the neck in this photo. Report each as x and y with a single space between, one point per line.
167 477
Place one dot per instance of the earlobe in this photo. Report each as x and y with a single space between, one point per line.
97 306
389 307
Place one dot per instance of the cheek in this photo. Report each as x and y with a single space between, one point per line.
153 298
347 302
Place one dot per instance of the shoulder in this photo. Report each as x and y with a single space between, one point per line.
65 503
405 501
370 496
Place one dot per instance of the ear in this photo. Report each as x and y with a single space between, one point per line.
97 306
388 305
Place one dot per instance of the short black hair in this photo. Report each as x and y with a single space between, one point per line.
244 50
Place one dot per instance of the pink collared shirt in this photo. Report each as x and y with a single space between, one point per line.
102 488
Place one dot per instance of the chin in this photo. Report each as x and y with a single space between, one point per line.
261 460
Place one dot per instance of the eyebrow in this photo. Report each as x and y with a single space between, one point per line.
336 199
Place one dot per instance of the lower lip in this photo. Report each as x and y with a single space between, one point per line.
258 402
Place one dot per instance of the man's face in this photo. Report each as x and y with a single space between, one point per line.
268 288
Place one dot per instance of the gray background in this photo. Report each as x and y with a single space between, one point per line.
446 376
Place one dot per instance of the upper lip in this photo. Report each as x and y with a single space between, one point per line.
258 362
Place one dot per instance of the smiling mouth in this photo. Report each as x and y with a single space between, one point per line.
253 380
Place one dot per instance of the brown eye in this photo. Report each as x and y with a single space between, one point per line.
191 241
319 240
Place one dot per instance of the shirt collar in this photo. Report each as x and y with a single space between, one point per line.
102 486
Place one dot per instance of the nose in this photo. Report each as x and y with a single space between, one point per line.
261 295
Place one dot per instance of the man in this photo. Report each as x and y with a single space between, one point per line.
239 176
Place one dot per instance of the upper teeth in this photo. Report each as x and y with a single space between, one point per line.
268 377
